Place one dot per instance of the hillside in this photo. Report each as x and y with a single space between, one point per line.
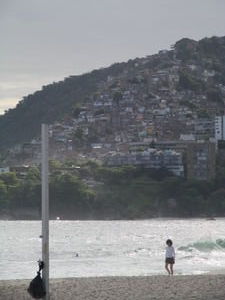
22 123
191 76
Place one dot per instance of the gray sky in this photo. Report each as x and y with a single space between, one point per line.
46 40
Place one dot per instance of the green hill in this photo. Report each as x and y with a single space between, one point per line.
50 104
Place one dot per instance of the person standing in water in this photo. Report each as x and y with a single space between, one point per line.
170 257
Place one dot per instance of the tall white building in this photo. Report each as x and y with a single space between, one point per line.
220 128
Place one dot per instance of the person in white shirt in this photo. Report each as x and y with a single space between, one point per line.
170 257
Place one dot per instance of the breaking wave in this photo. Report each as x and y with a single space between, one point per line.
205 246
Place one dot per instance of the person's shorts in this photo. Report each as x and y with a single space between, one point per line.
170 260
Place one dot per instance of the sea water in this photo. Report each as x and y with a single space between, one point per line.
112 248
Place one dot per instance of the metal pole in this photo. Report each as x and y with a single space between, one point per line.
45 208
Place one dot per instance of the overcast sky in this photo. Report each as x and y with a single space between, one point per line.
46 40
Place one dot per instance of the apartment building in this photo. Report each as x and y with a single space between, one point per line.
201 160
220 128
151 158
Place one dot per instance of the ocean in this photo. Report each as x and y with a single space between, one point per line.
112 248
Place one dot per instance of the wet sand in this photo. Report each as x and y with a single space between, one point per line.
197 287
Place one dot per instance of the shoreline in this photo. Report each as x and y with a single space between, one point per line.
206 218
160 287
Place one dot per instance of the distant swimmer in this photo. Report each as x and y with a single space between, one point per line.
170 257
76 254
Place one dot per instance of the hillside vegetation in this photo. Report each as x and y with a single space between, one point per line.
97 192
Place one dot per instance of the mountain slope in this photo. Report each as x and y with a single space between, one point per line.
51 103
57 100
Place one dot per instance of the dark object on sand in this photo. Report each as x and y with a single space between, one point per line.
36 288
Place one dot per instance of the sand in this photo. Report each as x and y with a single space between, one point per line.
197 287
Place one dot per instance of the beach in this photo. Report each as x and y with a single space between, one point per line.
193 287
